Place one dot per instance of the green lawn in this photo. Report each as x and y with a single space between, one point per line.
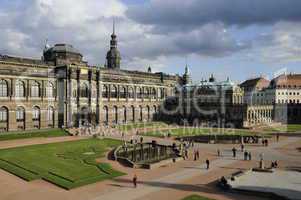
196 197
198 131
66 164
128 127
34 133
290 128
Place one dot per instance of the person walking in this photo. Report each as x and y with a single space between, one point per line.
277 137
197 154
135 180
242 147
207 164
234 152
250 156
218 153
186 153
246 155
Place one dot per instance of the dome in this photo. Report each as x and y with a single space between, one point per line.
62 53
64 48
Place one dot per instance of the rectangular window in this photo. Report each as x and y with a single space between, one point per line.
3 116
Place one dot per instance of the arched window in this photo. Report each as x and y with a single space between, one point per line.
123 92
105 91
148 113
35 89
124 114
3 114
115 109
50 114
162 91
133 113
84 90
3 88
139 93
20 89
155 109
20 114
114 91
74 93
131 93
146 93
106 115
36 113
49 90
141 113
154 93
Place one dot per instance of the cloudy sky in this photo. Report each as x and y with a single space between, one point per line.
231 38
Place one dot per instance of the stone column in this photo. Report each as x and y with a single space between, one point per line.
90 95
109 92
97 97
66 103
12 125
118 92
43 118
28 119
12 87
42 92
27 90
78 97
127 93
135 93
69 97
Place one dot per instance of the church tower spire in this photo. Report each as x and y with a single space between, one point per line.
186 76
113 55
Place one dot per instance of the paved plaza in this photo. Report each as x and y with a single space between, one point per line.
173 181
282 183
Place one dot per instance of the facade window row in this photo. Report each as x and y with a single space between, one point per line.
288 93
36 89
290 101
21 117
130 92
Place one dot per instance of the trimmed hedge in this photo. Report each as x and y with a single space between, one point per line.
196 197
18 171
64 164
32 134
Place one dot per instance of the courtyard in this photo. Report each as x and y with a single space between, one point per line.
79 160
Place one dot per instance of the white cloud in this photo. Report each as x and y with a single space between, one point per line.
87 25
283 44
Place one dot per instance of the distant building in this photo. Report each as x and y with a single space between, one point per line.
254 102
62 90
209 103
278 100
258 102
287 98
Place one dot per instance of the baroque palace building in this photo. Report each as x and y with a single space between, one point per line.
210 103
62 90
254 102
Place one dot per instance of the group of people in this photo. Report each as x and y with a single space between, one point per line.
265 142
247 154
274 164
